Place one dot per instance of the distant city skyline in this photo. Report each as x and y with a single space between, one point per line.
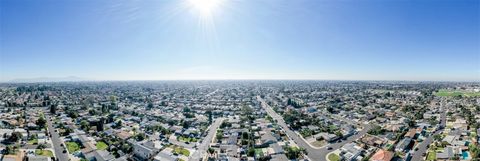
240 39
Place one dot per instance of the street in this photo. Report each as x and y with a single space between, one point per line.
56 141
172 139
202 148
312 153
423 147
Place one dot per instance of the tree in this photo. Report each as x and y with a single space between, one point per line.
67 131
376 130
92 112
118 124
293 152
10 150
41 122
16 136
140 136
411 123
150 105
211 151
105 109
84 125
339 134
219 135
110 118
437 137
100 123
210 117
251 152
72 114
53 109
41 146
185 124
474 150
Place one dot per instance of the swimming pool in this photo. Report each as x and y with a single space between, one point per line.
465 155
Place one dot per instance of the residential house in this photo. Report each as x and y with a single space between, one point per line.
382 155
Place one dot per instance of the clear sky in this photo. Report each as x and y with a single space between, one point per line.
241 39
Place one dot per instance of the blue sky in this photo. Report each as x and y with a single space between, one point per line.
241 39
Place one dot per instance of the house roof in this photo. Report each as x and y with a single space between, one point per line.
411 133
446 154
382 155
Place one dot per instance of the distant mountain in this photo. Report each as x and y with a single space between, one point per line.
48 79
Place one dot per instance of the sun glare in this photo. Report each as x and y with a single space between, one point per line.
205 7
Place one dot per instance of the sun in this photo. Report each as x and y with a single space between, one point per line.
205 7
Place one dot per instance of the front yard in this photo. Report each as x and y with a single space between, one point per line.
187 139
72 147
47 153
101 145
319 143
333 157
431 156
183 151
33 141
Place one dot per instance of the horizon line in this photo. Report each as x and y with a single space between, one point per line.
246 79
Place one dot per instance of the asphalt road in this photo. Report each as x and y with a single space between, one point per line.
173 140
422 148
313 154
56 141
202 148
28 146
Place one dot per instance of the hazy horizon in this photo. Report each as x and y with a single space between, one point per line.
78 79
240 40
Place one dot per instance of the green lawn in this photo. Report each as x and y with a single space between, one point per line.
187 139
72 146
432 155
33 141
333 157
388 146
473 134
47 153
450 93
439 149
101 145
259 152
182 151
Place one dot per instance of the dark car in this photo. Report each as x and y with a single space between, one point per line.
329 148
64 151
